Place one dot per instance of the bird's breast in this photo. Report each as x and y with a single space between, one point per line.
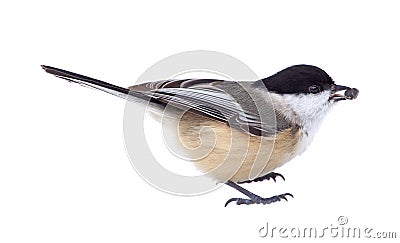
229 154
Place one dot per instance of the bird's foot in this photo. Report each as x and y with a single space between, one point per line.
258 200
271 175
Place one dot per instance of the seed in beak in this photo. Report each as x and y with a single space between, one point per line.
351 94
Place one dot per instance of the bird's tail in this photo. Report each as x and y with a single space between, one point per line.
94 83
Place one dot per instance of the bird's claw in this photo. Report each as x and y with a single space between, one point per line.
259 200
271 175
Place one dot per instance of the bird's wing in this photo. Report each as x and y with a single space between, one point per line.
226 101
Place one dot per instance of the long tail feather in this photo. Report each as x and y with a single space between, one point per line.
93 83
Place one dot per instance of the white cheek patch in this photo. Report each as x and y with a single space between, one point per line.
302 108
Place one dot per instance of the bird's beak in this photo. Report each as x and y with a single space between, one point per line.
337 93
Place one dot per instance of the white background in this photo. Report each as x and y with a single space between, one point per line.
64 172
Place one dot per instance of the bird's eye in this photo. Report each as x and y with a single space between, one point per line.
314 89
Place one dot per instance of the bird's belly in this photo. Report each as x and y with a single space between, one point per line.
229 154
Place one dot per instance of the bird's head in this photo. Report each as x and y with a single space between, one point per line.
304 93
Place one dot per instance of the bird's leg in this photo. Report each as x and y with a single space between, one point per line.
253 198
271 175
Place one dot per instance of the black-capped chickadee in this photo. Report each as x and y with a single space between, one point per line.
256 126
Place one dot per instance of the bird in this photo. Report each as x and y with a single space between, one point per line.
256 125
